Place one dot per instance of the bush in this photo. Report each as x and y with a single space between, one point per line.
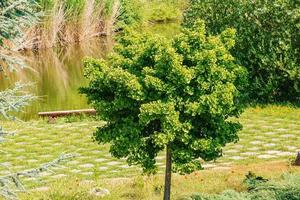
138 11
164 11
288 188
253 181
267 42
131 13
226 195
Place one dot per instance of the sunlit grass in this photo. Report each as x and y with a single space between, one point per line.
151 188
270 133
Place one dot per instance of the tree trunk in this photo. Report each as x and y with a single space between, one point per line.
297 161
168 174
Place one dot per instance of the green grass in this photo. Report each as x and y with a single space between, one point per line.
270 134
151 188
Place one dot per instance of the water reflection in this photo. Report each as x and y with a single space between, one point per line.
57 74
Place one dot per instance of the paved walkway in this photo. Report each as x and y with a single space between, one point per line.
263 138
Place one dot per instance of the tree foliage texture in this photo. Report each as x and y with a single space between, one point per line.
155 93
267 42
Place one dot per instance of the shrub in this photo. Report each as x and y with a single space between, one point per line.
285 189
157 94
226 195
253 181
164 11
267 42
131 12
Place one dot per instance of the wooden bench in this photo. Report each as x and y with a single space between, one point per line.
54 114
67 113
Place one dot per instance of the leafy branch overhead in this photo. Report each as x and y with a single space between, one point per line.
155 93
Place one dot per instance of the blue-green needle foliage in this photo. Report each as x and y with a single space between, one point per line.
154 92
15 15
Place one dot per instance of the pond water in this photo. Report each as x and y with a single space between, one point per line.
57 73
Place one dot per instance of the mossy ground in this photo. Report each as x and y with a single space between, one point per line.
271 135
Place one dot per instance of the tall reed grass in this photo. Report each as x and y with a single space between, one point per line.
70 21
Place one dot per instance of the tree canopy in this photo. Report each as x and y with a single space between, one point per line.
154 92
267 42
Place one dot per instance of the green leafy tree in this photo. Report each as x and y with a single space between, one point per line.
158 95
267 42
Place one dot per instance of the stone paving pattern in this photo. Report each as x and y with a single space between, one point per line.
264 137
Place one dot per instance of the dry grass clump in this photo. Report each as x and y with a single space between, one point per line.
71 21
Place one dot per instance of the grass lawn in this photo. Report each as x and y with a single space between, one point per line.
271 138
151 188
